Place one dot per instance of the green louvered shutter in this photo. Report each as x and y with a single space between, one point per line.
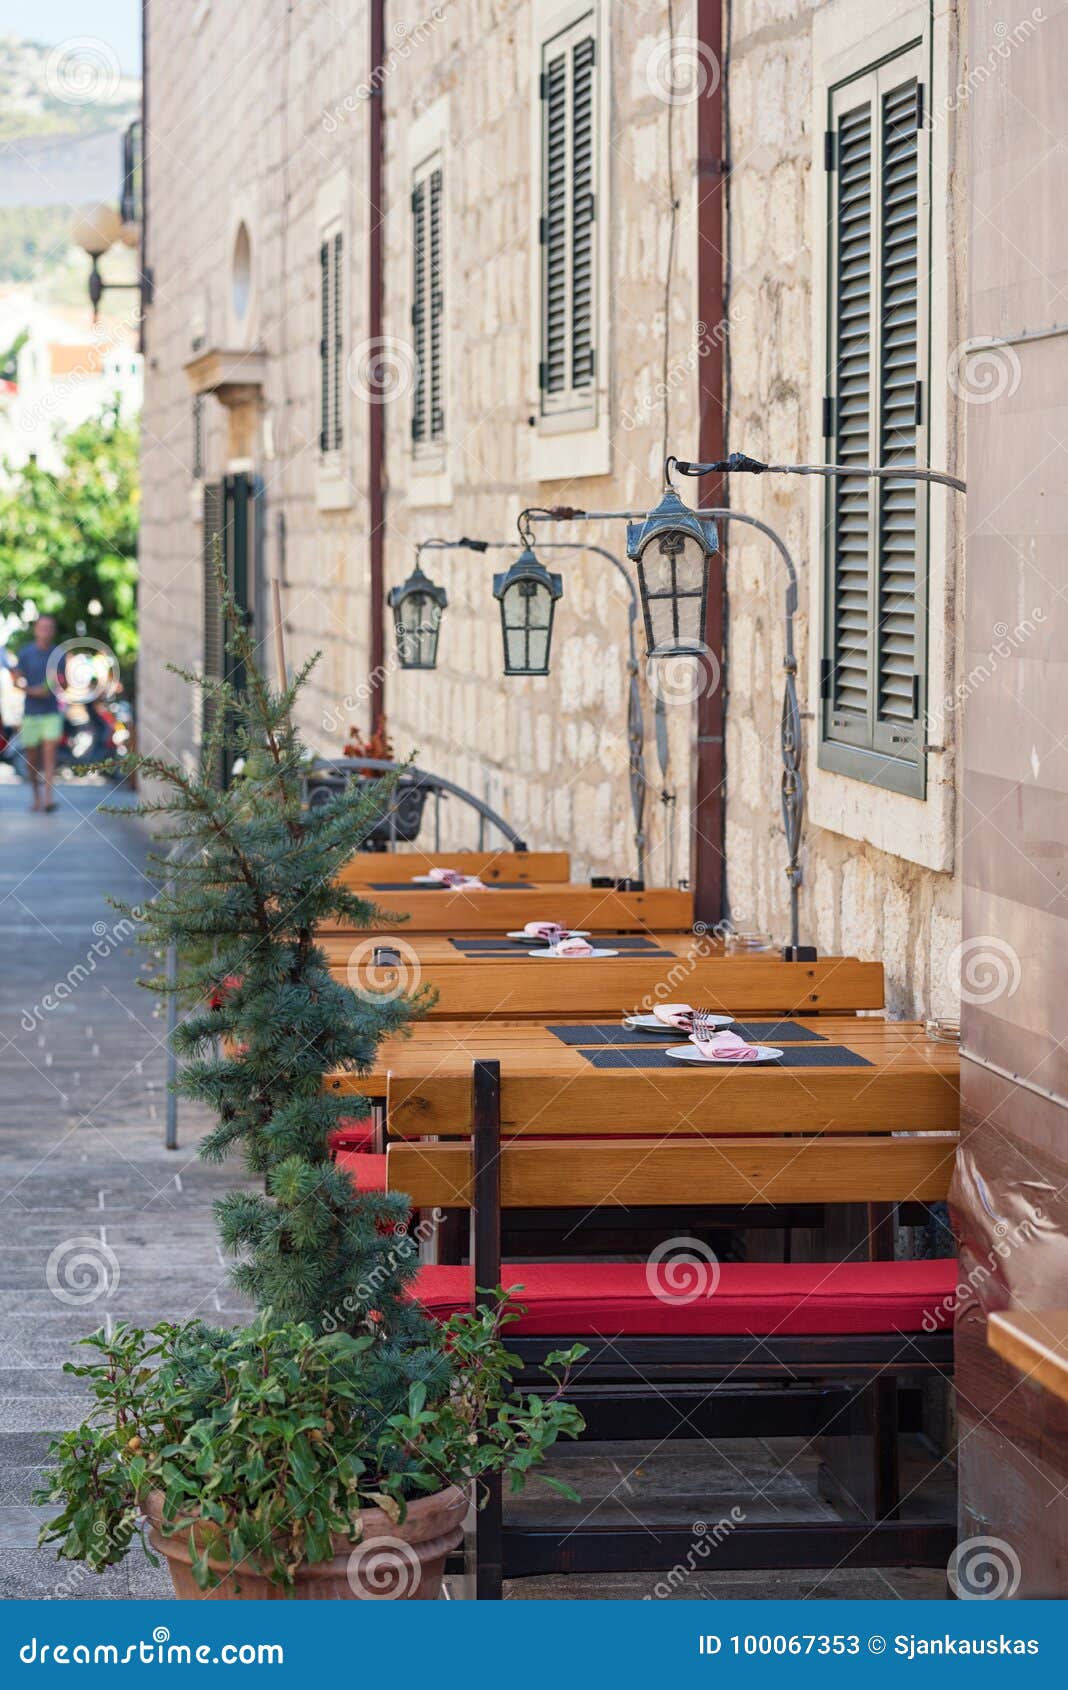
337 340
436 305
428 305
874 652
583 213
214 650
851 631
554 229
419 322
568 227
899 588
324 346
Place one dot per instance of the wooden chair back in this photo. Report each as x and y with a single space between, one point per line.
540 988
546 1158
496 910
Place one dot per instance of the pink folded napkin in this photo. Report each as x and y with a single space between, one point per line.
551 930
572 947
677 1015
725 1047
452 878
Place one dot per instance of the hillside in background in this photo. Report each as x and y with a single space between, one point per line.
62 116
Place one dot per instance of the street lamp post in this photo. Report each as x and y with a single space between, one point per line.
96 233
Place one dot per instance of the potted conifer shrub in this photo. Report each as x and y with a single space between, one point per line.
325 1450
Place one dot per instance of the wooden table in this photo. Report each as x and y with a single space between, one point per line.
676 968
890 1073
1037 1344
820 1134
511 905
490 866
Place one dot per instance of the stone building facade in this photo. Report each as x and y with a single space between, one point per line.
257 176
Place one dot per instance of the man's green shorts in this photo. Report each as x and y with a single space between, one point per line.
39 730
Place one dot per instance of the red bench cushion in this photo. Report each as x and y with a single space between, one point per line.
352 1135
368 1172
576 1299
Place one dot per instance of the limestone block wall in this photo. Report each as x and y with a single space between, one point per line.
860 897
266 124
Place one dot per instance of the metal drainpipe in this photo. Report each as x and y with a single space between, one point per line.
376 410
709 820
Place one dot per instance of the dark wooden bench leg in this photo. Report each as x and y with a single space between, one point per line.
486 1271
860 1471
489 1546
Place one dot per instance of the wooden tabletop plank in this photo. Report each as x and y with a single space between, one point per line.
490 866
650 1172
471 1039
495 910
1036 1344
440 950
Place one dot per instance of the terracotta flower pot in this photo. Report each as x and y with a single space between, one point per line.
391 1563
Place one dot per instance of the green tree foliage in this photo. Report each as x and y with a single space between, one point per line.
265 1443
69 538
254 881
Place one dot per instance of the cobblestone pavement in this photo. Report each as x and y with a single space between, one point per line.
98 1222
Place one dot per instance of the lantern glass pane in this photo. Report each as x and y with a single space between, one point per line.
527 615
673 568
417 623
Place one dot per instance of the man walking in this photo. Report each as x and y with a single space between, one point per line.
36 673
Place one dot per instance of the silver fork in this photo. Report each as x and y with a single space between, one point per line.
703 1026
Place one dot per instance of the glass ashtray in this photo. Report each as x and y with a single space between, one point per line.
942 1030
747 944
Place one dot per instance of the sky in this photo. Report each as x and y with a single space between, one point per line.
115 22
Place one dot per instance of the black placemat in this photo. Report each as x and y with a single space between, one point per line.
601 941
440 886
822 1056
759 1032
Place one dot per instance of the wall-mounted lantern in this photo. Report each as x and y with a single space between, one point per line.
672 548
527 594
417 608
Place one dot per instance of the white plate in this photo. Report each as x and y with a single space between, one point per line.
588 957
528 938
432 880
650 1023
690 1053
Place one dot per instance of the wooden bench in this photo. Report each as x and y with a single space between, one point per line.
834 1339
490 866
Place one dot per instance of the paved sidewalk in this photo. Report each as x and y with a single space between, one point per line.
97 1221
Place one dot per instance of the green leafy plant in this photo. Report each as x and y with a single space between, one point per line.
265 1443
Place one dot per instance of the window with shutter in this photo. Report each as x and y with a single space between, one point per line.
569 280
198 436
233 533
214 646
331 342
874 653
428 306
